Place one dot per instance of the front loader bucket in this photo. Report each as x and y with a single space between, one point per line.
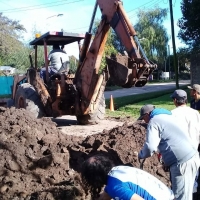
120 71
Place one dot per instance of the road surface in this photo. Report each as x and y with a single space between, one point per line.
154 87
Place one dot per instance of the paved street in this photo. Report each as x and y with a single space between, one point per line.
154 87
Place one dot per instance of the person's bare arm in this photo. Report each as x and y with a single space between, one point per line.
104 196
136 197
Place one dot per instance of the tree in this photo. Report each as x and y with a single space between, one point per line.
183 55
10 33
189 23
153 34
73 64
18 59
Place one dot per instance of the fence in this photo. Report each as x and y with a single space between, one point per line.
6 83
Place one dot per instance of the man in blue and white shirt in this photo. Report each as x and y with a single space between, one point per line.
122 182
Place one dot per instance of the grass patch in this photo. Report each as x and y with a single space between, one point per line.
130 105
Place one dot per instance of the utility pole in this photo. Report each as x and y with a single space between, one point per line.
174 45
178 66
169 59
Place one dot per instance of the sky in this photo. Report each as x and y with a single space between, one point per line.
42 15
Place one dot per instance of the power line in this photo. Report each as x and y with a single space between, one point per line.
23 9
79 28
6 4
142 5
30 6
155 3
151 5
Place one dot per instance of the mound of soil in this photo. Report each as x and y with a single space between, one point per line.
39 162
34 158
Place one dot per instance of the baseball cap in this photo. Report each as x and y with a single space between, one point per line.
146 109
195 87
179 95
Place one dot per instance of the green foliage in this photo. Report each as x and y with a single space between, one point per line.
19 58
73 64
183 55
189 23
12 51
10 33
153 34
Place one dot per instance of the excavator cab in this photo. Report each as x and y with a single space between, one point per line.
54 38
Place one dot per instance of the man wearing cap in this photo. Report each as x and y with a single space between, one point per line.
166 135
189 119
195 94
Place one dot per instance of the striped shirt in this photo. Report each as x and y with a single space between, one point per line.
123 182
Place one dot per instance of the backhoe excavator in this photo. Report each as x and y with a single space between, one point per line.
82 94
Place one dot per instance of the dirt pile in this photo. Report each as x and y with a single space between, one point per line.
34 158
39 162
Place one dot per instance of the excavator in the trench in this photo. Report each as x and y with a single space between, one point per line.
82 94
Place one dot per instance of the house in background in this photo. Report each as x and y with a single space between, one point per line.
7 70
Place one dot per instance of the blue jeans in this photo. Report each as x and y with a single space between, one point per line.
183 177
43 73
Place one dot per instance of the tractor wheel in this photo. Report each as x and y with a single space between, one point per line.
96 116
26 97
10 103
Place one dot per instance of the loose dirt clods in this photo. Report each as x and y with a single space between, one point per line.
39 162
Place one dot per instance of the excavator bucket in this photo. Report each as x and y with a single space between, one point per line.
120 70
126 72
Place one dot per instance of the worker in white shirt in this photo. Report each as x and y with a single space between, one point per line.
189 119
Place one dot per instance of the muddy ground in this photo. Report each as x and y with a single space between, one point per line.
39 162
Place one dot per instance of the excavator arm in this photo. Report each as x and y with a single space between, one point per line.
126 71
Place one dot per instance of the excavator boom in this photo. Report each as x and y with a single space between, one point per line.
126 71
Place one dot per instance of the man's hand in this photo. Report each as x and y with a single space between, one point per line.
141 161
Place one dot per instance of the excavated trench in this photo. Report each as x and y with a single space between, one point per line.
39 162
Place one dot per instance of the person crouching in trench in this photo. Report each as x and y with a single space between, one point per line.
121 182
